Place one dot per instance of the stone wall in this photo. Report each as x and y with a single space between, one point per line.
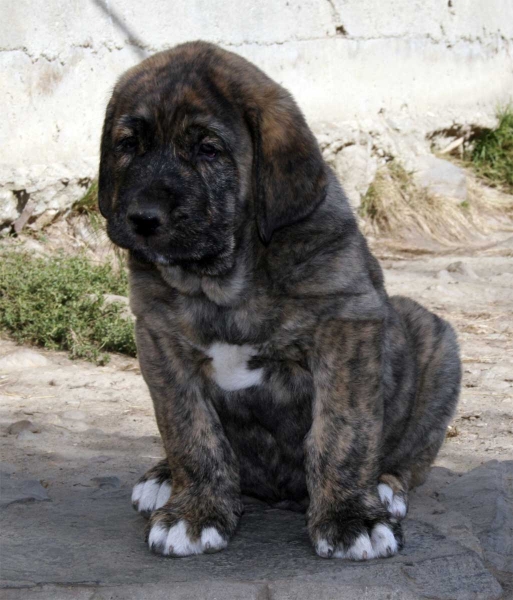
375 79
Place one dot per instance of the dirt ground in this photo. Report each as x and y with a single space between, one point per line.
80 409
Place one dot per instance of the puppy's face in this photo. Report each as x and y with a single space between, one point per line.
179 160
196 141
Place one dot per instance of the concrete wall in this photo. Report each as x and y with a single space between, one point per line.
375 77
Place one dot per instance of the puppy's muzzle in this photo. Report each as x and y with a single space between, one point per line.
146 222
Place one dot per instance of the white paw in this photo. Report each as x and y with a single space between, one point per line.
383 541
324 549
149 495
175 541
395 504
380 543
360 550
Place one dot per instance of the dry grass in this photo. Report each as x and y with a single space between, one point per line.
395 207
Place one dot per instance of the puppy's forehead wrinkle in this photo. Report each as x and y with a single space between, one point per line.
168 122
201 74
121 131
209 123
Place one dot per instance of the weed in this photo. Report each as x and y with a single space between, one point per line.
58 303
492 152
89 202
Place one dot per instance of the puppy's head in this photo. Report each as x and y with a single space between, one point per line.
196 141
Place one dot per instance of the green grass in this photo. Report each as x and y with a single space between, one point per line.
88 205
57 303
89 201
492 152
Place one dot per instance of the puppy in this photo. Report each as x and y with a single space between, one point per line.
277 364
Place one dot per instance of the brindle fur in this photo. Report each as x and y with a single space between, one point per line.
259 246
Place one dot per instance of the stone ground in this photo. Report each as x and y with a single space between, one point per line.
75 437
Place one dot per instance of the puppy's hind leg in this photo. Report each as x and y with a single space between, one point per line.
433 343
393 487
153 489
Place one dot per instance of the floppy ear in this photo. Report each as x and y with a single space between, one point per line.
289 174
106 176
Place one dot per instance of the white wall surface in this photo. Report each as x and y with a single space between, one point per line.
380 74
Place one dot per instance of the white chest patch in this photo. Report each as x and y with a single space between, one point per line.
230 364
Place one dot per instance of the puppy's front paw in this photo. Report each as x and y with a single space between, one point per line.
186 526
153 489
356 539
176 539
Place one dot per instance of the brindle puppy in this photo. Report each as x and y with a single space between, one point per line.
277 364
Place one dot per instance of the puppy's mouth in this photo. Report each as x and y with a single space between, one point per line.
196 251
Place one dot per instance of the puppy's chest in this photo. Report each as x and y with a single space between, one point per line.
247 347
235 367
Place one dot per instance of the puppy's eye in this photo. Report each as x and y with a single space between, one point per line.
128 144
207 151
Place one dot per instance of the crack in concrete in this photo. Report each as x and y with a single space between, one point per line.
495 43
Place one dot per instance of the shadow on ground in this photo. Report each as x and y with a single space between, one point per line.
87 542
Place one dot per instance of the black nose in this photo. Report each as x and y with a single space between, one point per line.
145 222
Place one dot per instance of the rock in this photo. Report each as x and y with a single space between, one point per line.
23 359
109 299
74 415
26 436
462 269
32 246
123 300
18 491
102 458
485 496
24 425
448 579
94 431
108 481
303 590
441 177
8 207
217 590
444 276
24 217
114 298
46 190
7 468
356 169
76 426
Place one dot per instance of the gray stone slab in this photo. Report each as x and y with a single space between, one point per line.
176 591
336 591
95 544
485 496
